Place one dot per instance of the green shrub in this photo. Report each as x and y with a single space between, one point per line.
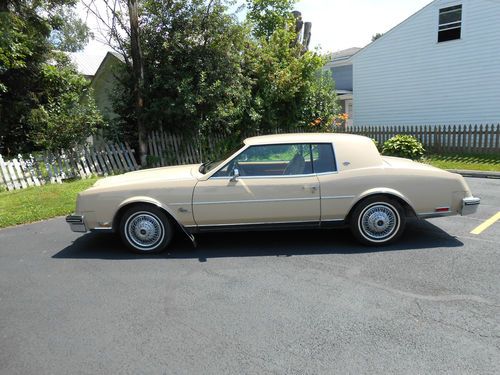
404 146
151 160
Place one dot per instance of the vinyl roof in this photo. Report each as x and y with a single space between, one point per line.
302 138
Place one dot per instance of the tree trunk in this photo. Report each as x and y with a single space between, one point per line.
138 76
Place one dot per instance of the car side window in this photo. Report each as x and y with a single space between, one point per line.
323 158
271 160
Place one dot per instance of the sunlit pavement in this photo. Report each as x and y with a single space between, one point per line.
283 302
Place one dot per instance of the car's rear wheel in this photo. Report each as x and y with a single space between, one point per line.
378 221
146 229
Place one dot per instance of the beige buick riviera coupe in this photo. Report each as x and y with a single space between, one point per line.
274 182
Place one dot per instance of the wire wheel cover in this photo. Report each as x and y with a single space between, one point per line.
379 221
144 230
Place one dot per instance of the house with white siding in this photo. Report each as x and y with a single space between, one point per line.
440 66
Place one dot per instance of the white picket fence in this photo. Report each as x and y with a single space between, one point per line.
167 148
474 139
173 149
55 167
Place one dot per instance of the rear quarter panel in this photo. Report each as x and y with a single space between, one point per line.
423 190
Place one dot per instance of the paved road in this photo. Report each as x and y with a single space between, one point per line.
305 302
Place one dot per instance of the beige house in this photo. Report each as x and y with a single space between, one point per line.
100 70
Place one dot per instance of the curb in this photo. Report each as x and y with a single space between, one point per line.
479 174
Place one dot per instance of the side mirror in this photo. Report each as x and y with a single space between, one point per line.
236 174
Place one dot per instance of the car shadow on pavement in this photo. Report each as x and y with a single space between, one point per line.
419 234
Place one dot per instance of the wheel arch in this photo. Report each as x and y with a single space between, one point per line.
126 204
385 192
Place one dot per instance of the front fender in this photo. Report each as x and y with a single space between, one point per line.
146 199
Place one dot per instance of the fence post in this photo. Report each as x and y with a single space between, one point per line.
155 153
474 139
132 157
5 173
497 138
164 146
25 170
31 165
124 152
106 160
111 158
120 156
20 173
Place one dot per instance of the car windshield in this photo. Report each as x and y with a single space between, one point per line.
208 166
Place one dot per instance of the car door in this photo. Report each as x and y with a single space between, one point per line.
276 184
337 193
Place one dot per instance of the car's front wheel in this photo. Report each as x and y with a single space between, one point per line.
146 229
378 221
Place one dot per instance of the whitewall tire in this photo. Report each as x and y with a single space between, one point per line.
378 220
146 229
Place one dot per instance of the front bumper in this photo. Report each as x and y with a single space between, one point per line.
76 223
469 205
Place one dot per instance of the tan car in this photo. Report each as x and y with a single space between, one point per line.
283 181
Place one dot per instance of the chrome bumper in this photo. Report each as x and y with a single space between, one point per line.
76 223
469 205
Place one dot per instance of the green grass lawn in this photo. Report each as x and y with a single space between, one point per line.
38 203
465 161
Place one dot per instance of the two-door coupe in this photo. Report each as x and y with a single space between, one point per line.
274 182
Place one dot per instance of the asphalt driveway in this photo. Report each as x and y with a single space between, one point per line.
304 302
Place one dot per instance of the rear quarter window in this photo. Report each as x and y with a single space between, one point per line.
323 158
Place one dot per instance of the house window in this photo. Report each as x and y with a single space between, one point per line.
450 23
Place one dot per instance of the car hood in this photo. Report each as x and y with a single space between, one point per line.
180 172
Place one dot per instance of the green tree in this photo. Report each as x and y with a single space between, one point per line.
66 113
69 32
122 21
25 44
205 72
267 16
193 78
290 89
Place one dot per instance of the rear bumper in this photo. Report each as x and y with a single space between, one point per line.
76 223
469 205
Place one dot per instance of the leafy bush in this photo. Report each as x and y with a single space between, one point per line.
67 114
256 76
151 160
404 146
